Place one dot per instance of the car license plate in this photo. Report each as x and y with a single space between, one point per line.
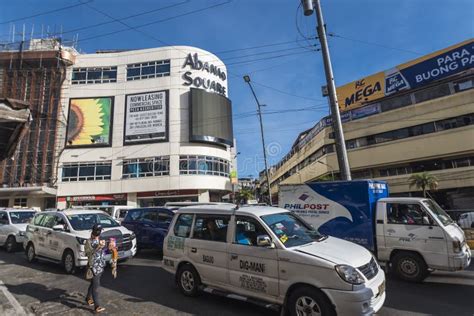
382 288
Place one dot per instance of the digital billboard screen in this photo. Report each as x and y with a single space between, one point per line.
90 122
210 118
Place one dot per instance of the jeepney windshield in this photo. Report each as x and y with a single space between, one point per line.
438 212
291 230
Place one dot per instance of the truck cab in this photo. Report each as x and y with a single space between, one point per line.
415 236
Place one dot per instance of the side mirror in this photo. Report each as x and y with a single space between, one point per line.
58 228
264 241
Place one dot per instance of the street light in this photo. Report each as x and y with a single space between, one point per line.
247 80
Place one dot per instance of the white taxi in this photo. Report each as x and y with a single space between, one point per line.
271 257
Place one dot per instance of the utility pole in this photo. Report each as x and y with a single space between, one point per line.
247 79
341 151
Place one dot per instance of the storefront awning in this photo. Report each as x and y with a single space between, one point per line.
43 191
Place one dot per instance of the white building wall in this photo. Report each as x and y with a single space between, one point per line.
178 122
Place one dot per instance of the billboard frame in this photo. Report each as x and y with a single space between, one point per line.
112 108
167 129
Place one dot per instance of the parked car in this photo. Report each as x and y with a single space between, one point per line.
466 220
118 212
270 256
13 227
60 237
150 225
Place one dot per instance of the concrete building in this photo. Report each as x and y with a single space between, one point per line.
429 127
33 72
145 127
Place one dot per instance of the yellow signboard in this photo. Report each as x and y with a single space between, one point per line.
356 93
409 75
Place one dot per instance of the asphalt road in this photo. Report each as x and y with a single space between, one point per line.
142 287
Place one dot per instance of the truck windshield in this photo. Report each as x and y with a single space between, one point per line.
291 230
21 217
438 212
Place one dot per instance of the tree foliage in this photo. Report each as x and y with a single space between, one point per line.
424 181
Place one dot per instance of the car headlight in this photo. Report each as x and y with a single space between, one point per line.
350 274
21 233
81 241
457 246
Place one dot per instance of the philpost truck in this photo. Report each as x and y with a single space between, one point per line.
412 236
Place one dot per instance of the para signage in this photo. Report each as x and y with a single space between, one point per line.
191 79
410 75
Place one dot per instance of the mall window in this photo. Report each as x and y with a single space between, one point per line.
455 122
94 75
86 171
146 167
20 202
152 69
204 165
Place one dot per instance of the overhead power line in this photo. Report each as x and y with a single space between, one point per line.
45 12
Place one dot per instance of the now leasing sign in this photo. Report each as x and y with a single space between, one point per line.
410 75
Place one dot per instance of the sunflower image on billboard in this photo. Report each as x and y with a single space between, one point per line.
89 122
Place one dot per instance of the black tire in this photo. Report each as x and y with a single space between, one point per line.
188 280
410 267
69 262
11 244
30 253
304 297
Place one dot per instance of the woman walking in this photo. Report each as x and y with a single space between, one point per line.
95 252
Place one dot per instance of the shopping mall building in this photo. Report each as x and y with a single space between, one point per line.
145 127
416 117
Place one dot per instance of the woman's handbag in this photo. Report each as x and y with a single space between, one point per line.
89 274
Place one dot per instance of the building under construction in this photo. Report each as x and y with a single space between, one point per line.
33 71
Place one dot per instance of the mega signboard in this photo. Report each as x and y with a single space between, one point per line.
146 117
410 75
90 122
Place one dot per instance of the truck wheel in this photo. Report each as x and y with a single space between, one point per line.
306 301
410 267
11 244
188 280
30 253
69 262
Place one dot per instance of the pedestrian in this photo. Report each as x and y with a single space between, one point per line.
95 252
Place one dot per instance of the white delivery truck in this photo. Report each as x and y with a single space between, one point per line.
413 236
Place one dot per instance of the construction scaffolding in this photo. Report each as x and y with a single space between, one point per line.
33 72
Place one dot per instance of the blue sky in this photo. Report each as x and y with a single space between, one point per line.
375 35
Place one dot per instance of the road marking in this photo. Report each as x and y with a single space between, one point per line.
16 306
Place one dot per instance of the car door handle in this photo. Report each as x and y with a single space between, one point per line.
234 257
193 250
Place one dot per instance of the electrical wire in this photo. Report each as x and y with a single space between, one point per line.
45 12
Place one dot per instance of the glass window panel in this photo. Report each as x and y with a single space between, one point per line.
95 74
110 74
103 170
85 171
70 171
133 72
148 70
163 68
79 76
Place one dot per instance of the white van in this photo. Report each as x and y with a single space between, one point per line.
269 255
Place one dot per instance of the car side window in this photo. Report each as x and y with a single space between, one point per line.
164 217
60 221
246 230
150 216
122 213
182 228
407 214
49 221
133 215
211 227
3 218
38 219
